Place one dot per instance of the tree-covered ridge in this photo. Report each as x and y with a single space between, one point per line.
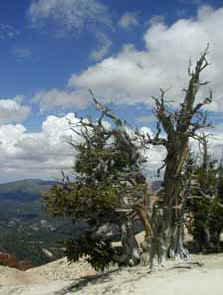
24 190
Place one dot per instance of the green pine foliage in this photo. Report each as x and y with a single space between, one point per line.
105 172
99 253
207 206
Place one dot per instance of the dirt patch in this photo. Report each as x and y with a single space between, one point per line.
12 276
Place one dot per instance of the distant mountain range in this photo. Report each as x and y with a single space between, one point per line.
31 189
24 190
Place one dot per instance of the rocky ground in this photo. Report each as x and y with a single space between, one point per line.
46 279
202 278
58 278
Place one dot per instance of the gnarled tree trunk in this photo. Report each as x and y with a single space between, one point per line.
130 248
179 126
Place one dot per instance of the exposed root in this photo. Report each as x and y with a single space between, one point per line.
187 265
180 266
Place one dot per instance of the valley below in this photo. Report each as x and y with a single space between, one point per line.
27 234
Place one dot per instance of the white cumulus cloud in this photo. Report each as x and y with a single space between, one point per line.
133 76
12 110
54 98
40 154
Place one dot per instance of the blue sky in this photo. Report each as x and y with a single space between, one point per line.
53 51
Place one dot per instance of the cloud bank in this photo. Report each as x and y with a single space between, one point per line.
69 15
43 154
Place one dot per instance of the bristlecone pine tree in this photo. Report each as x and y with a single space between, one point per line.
179 126
109 188
108 183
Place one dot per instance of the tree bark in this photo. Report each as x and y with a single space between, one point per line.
130 248
172 198
177 249
167 240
